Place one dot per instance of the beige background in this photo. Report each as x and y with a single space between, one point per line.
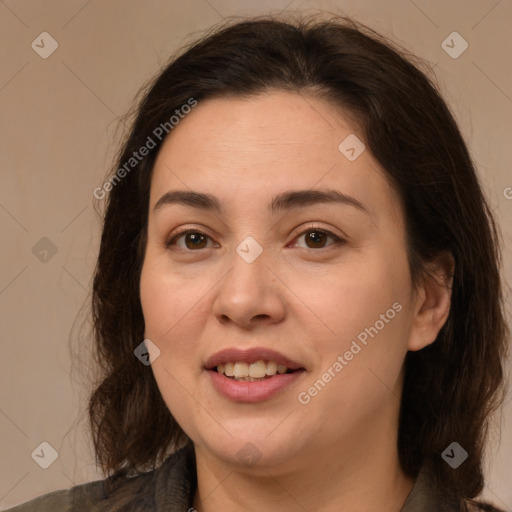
58 122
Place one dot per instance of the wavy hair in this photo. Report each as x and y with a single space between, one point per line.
452 387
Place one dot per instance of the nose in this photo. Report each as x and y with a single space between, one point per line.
250 294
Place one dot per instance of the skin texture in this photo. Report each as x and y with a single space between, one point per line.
307 301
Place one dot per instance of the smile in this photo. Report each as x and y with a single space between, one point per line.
257 371
252 374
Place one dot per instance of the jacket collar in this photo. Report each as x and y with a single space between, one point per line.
425 498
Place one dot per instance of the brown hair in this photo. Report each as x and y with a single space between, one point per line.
452 386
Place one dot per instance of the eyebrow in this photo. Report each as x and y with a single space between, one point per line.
284 201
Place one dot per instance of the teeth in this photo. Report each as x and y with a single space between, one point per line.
271 368
228 369
241 370
258 370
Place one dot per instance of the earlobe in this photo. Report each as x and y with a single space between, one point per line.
433 299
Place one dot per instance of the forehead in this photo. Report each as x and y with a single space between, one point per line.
268 124
242 148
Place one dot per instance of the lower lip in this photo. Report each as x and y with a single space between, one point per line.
255 391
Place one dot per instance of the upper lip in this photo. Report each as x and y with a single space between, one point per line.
250 356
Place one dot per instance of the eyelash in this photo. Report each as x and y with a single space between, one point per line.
337 239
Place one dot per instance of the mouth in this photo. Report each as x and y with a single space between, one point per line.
255 362
251 372
253 375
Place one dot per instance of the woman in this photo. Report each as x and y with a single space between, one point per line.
297 232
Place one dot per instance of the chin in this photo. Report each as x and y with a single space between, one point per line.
253 450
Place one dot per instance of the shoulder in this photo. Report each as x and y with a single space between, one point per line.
426 496
481 506
58 501
93 496
171 483
64 500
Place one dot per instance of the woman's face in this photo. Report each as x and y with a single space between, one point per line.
324 284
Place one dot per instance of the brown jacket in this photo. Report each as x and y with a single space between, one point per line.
171 488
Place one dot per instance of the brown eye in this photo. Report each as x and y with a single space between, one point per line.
196 240
193 240
316 238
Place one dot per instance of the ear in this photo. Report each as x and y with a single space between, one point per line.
432 304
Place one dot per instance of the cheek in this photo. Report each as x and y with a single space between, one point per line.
353 295
170 303
171 311
177 388
364 305
158 304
